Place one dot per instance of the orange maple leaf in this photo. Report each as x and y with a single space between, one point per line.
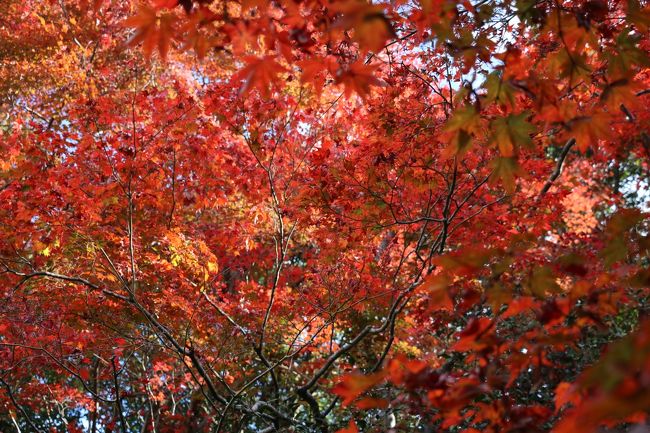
259 73
351 428
371 26
359 78
352 386
588 130
315 71
152 30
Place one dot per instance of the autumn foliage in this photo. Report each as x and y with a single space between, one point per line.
324 216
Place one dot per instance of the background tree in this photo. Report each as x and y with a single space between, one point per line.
324 215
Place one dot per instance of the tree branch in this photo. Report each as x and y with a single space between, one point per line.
558 168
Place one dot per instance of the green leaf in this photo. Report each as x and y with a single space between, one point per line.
499 91
505 169
466 119
511 132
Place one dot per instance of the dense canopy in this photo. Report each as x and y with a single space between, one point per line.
324 215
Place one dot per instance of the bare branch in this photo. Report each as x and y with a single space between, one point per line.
558 168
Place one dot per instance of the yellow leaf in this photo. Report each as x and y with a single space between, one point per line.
41 19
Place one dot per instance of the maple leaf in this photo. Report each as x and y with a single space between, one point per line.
616 247
165 4
459 144
436 287
84 374
515 65
543 282
351 428
565 393
463 124
498 90
466 263
372 403
471 337
353 385
314 72
638 15
466 118
626 57
573 34
517 306
505 169
511 132
152 30
615 250
259 73
572 65
620 92
588 130
252 4
371 27
622 221
359 78
400 368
